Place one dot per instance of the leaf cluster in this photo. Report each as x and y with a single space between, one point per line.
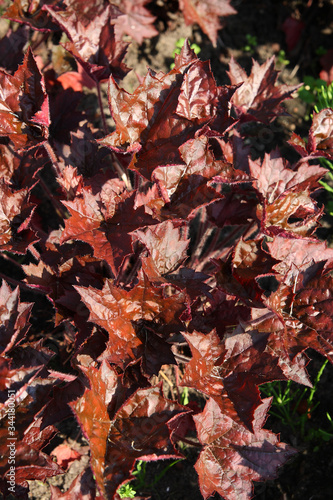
163 244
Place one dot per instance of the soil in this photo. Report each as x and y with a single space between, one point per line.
309 475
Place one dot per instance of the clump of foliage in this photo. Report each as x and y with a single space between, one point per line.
159 244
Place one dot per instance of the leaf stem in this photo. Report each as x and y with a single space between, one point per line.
20 284
53 157
99 94
60 210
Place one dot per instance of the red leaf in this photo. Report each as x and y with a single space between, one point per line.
206 13
167 244
92 413
33 464
163 112
313 306
31 12
92 34
293 29
140 430
258 98
320 141
105 221
224 367
24 114
15 215
14 317
58 278
233 457
300 253
275 218
65 455
117 310
136 21
286 196
273 177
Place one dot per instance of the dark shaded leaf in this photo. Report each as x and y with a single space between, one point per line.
140 431
233 457
105 221
82 488
31 12
15 215
11 48
117 310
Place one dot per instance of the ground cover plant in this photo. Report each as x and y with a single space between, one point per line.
157 248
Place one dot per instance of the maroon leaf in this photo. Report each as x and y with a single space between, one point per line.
320 137
218 368
105 221
91 411
167 244
274 177
31 12
140 430
33 464
11 48
187 187
14 316
299 252
258 98
293 29
162 113
206 13
92 34
15 215
24 114
313 307
82 488
117 310
58 279
293 214
202 372
233 457
320 141
136 21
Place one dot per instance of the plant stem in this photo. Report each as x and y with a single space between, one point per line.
53 157
56 203
99 94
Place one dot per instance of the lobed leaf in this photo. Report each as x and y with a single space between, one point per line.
206 13
233 457
258 98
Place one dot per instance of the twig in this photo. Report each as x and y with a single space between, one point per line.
188 441
181 358
169 383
